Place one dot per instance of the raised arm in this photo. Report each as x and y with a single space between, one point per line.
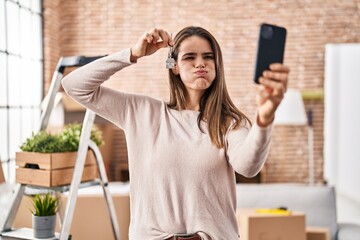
248 150
84 86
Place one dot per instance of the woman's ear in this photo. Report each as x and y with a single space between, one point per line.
175 70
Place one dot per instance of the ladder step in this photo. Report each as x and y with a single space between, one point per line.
25 233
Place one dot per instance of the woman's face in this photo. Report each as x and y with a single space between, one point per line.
196 64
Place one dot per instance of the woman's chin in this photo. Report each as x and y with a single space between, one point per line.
202 84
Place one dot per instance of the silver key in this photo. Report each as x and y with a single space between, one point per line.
170 61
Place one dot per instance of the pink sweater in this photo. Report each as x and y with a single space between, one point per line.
179 181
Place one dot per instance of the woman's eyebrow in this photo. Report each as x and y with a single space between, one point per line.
189 54
208 53
194 54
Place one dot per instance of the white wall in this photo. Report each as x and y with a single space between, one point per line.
342 124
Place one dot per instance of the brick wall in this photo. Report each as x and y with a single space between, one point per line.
104 26
52 45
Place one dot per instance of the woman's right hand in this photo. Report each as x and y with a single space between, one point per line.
149 43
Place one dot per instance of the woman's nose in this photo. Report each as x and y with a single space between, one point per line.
200 63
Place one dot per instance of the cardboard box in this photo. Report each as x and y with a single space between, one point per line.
2 178
317 233
51 169
261 226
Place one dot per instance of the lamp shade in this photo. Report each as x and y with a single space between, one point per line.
291 110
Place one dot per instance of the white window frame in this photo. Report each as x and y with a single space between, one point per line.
21 76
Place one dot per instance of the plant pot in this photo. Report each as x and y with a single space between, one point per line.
44 226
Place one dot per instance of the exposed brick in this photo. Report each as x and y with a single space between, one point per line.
101 27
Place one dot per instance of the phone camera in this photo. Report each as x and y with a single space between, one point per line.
267 32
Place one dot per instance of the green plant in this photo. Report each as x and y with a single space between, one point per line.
65 141
44 205
42 142
71 136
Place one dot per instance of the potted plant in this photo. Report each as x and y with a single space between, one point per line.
65 141
44 208
48 160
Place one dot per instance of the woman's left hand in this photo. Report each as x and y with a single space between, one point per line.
271 92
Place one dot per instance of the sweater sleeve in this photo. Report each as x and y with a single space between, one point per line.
247 150
84 86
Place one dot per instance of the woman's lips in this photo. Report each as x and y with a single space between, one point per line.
200 72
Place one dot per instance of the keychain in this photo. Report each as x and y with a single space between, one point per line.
170 61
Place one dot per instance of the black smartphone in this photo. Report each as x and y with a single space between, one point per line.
271 47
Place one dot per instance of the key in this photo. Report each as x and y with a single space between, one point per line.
170 61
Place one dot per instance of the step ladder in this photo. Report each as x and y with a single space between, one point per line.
66 215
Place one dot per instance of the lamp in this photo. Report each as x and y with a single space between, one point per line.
291 112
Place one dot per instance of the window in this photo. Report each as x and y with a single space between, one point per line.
21 64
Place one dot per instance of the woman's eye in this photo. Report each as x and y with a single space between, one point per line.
209 57
189 58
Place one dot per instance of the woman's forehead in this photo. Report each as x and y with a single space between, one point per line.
195 44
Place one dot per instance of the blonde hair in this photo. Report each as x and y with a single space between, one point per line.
216 107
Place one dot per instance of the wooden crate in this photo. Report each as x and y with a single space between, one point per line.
52 169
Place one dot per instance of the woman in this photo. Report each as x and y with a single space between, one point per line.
182 154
